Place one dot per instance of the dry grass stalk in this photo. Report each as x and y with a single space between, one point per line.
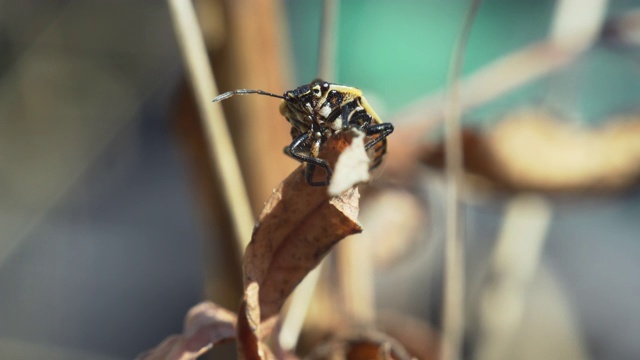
354 258
356 285
577 33
453 293
254 54
515 261
328 40
567 39
226 164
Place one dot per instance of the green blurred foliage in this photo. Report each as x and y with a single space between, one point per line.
400 51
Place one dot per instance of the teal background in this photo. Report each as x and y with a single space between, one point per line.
400 51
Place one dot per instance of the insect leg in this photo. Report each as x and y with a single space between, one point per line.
294 150
309 171
382 129
377 160
360 119
342 113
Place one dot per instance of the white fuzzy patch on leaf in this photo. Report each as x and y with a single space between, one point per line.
352 167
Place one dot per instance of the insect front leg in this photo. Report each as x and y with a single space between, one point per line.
383 130
360 120
295 150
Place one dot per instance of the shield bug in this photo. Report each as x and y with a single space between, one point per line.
319 110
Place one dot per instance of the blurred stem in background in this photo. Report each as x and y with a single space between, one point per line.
453 311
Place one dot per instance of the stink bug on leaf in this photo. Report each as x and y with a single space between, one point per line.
317 111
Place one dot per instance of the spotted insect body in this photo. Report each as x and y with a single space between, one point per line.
319 110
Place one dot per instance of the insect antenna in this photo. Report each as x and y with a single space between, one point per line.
229 94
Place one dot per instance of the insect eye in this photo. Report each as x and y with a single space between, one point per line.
325 86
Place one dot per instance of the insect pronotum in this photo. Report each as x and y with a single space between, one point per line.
318 110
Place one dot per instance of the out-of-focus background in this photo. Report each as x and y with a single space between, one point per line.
108 232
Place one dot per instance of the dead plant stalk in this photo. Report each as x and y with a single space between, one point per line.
225 161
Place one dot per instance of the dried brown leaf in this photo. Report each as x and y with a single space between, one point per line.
297 228
250 346
419 338
206 325
367 345
535 150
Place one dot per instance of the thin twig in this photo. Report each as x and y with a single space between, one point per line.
577 32
223 154
297 311
453 295
516 256
575 27
303 295
354 260
567 39
327 43
355 272
514 263
496 79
